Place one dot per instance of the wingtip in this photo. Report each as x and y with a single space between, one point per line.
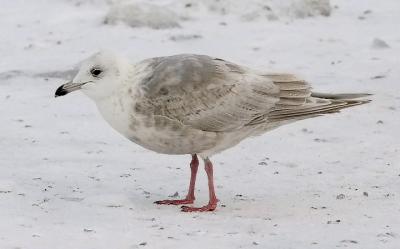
342 96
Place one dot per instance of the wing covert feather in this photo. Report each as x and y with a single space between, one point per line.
207 93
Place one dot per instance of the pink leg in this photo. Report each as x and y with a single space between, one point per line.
194 164
212 204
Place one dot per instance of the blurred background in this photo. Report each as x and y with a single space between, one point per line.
295 35
67 180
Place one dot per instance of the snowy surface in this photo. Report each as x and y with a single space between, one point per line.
67 180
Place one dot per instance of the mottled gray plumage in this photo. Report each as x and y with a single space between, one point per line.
207 104
196 104
207 94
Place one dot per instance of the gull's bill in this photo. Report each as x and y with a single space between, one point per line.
68 87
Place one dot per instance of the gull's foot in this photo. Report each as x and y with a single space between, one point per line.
207 208
175 202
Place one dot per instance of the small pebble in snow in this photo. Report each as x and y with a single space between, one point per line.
143 244
87 230
185 37
320 140
349 241
176 194
379 44
305 130
365 194
379 122
387 235
255 243
333 222
114 206
340 196
316 208
376 77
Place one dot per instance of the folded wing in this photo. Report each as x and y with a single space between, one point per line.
207 93
214 95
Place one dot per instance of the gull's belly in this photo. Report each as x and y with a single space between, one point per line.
166 136
156 133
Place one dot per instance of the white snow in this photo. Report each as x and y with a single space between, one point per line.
165 14
142 15
67 180
270 9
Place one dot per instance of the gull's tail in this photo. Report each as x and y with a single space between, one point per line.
341 100
297 101
347 96
318 104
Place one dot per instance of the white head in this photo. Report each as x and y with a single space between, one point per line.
97 75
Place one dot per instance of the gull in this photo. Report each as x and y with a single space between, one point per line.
196 104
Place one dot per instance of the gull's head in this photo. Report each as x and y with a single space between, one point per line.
97 76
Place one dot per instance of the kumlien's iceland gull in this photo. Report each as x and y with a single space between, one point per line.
196 105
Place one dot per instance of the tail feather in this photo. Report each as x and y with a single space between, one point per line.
318 104
340 95
297 101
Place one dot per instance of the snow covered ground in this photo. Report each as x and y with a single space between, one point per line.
67 180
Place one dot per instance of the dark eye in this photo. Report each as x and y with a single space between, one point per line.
96 71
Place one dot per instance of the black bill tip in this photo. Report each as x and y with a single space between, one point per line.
61 91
